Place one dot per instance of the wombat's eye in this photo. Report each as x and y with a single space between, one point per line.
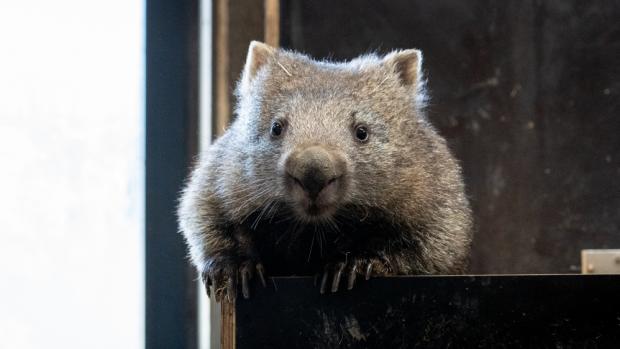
361 133
276 128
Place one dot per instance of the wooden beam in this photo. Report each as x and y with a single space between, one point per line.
221 66
235 24
229 326
272 22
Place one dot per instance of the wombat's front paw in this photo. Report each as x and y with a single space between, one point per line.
222 276
351 267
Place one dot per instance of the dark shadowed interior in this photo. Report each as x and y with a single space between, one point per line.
526 93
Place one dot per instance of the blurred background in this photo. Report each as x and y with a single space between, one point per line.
104 105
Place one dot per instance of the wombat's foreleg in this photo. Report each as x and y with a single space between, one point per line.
232 261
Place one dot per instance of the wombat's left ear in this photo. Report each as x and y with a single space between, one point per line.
407 64
259 54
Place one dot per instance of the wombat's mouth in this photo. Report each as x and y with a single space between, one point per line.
314 210
309 205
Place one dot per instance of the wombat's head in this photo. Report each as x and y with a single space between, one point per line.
325 135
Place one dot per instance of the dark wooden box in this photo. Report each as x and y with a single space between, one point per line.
519 311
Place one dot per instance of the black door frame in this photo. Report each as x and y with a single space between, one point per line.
172 56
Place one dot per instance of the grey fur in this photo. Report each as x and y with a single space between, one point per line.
403 177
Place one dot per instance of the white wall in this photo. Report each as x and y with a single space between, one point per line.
71 174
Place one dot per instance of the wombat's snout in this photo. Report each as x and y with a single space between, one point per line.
319 173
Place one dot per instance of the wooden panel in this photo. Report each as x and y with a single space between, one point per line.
561 311
229 325
235 24
527 94
272 22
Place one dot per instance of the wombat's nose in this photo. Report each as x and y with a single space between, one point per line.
313 182
313 169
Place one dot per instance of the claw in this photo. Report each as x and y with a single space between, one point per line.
337 276
324 280
352 269
231 288
217 290
245 288
207 282
352 276
260 270
203 278
369 270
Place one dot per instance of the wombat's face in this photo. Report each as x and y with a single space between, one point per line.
325 133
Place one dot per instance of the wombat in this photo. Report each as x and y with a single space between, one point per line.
329 169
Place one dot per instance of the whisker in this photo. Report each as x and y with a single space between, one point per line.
311 244
321 240
260 215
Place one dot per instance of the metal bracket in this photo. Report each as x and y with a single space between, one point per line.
600 261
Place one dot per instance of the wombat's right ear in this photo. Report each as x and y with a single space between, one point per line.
407 64
259 54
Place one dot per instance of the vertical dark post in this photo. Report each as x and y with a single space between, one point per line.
171 137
